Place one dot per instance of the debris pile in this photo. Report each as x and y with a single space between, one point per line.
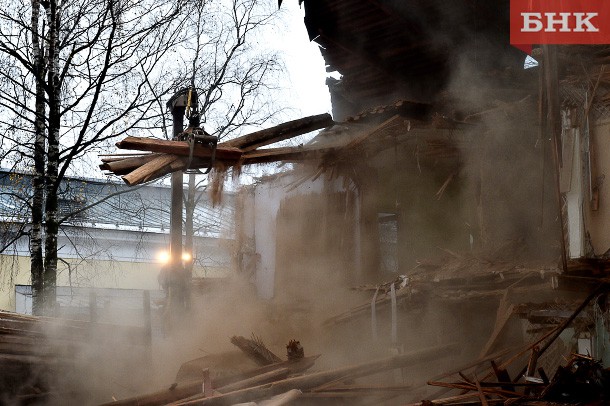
582 380
278 383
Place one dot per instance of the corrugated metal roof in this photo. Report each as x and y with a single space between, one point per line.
121 206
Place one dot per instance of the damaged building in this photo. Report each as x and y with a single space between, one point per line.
464 190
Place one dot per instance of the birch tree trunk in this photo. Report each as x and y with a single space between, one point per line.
38 181
53 13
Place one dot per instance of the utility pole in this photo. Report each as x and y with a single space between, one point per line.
184 102
177 284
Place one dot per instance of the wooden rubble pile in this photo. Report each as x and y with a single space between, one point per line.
517 375
535 373
487 381
529 374
455 278
283 382
28 358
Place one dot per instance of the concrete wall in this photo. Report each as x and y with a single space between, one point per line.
89 273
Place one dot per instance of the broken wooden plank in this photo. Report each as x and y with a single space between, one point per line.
282 399
502 376
186 389
154 169
503 315
287 154
363 388
471 387
442 401
173 393
122 166
280 132
481 394
271 376
294 366
314 151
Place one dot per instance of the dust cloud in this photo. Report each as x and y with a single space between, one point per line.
325 246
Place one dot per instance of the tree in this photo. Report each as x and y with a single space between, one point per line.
78 74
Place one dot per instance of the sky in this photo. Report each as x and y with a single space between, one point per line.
305 68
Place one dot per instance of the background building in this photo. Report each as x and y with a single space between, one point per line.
111 240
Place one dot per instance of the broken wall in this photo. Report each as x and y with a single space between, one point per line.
295 229
424 193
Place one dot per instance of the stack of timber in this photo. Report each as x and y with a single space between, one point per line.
27 355
34 351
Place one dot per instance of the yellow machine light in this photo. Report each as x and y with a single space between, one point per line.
163 257
186 256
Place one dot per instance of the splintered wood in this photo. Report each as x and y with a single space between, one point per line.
255 349
581 380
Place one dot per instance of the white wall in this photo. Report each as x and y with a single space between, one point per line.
263 204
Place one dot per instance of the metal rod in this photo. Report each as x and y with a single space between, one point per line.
176 294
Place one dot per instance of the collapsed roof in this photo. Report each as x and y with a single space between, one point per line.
410 49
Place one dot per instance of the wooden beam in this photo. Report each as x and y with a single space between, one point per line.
316 152
549 65
290 154
503 315
183 390
280 132
271 376
122 166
